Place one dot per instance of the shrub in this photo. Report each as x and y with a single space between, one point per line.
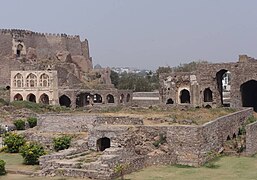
31 153
62 142
2 167
13 142
32 122
161 140
20 124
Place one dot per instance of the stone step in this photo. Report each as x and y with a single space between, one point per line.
78 155
81 173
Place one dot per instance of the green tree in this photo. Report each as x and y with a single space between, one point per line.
114 78
13 142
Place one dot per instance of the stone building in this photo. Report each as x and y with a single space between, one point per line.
203 87
65 60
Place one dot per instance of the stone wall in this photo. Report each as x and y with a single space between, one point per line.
251 139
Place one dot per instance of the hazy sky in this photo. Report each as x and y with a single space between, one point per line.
144 33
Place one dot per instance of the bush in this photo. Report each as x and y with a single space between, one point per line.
31 153
13 142
20 124
32 122
62 142
2 167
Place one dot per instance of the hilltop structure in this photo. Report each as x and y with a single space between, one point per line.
54 67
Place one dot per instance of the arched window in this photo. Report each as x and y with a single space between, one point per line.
110 98
207 95
44 99
44 80
31 80
18 97
18 80
97 98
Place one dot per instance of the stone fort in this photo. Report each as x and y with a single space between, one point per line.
203 87
54 69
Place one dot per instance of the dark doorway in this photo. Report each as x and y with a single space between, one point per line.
170 101
31 98
249 94
64 101
184 96
98 98
122 98
83 99
44 99
207 95
18 97
219 78
128 97
19 49
103 143
110 98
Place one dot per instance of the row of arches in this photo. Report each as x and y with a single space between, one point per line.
184 96
44 98
31 80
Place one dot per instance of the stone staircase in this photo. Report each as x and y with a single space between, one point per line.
91 164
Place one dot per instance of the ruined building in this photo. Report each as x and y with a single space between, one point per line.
54 69
204 87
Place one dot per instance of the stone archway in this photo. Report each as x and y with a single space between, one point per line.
98 98
170 101
110 98
44 99
223 79
64 101
249 94
18 97
83 99
184 96
103 143
32 98
128 98
207 95
122 98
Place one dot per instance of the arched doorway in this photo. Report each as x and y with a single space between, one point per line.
31 98
64 101
18 97
170 101
110 98
98 98
249 94
44 99
128 98
103 143
83 99
207 95
184 96
223 84
122 98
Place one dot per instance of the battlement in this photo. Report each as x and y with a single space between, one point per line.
22 33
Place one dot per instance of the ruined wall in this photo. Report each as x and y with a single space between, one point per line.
251 139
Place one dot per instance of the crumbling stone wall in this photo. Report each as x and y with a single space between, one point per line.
207 76
251 139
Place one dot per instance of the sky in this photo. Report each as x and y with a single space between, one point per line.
144 34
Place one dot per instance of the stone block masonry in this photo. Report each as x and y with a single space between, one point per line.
251 139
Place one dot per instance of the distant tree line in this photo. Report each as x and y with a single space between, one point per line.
148 81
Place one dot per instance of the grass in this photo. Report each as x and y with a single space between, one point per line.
196 115
226 168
